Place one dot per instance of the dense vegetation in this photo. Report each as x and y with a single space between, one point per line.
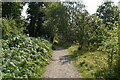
22 56
95 37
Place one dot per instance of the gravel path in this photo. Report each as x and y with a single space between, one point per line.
61 66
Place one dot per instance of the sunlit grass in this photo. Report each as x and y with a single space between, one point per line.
88 63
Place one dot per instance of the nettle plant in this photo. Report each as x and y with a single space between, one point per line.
24 56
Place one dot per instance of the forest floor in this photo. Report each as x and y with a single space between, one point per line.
61 65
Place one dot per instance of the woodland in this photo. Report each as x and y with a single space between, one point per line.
92 40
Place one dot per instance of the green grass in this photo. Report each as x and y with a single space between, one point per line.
88 63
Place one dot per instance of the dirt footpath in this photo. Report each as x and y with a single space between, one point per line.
61 66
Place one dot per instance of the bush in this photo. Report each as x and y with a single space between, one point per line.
110 46
9 28
24 56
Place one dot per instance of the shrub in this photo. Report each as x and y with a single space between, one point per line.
9 28
24 56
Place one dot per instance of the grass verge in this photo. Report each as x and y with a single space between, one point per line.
89 64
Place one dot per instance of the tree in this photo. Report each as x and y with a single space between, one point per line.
13 11
35 17
108 12
110 44
73 10
55 23
82 28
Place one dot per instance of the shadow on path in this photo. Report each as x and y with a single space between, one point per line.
61 65
65 59
58 48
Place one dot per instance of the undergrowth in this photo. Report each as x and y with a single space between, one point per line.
92 64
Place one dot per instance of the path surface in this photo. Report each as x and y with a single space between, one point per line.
61 66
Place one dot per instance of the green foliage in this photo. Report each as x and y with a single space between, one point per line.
108 12
96 33
61 23
110 45
11 9
55 24
9 28
36 18
92 64
75 24
24 56
102 39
